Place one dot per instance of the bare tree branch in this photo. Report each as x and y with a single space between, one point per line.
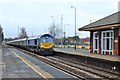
23 33
55 30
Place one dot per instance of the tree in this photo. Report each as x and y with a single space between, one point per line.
23 33
76 38
8 39
55 31
1 34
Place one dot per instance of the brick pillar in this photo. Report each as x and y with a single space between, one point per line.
91 41
116 42
99 33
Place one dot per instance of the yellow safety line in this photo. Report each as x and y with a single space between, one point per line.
29 65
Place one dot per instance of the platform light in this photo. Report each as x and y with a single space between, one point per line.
75 25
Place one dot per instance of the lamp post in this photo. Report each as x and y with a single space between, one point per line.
65 34
75 25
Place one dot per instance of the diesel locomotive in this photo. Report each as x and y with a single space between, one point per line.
42 45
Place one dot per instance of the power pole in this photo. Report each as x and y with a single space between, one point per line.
18 31
75 27
75 30
64 36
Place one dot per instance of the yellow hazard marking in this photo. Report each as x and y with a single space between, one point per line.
34 67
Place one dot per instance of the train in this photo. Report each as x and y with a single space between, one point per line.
42 45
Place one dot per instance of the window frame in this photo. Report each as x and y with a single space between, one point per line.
95 38
111 42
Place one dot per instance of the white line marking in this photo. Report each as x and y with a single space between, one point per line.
29 65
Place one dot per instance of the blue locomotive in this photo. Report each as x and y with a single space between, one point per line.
42 45
46 44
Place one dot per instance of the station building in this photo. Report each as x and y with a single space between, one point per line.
105 35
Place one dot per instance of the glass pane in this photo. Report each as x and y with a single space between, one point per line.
103 52
96 35
111 43
108 34
103 44
103 34
110 53
107 43
35 41
95 43
111 34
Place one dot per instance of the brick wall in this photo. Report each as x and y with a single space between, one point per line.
99 33
91 41
116 41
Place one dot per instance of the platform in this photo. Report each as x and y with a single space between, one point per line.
84 52
16 64
1 61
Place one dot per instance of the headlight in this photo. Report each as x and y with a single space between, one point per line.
42 46
50 46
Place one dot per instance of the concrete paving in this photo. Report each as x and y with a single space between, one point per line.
16 64
47 68
1 64
15 68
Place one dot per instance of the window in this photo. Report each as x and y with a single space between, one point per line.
107 42
28 42
48 39
95 42
35 41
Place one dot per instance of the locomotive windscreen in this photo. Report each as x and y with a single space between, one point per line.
46 39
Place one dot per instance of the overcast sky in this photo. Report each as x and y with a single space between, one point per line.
35 15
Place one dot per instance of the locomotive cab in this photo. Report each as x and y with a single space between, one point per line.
46 44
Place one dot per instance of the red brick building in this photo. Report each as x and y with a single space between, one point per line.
105 35
85 40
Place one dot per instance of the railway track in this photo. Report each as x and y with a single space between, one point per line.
79 70
93 70
53 63
87 65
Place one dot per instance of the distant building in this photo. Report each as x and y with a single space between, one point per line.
69 40
57 41
105 35
85 40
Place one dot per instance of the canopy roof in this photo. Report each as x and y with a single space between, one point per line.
107 22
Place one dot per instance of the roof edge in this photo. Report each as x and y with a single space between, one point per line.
99 27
